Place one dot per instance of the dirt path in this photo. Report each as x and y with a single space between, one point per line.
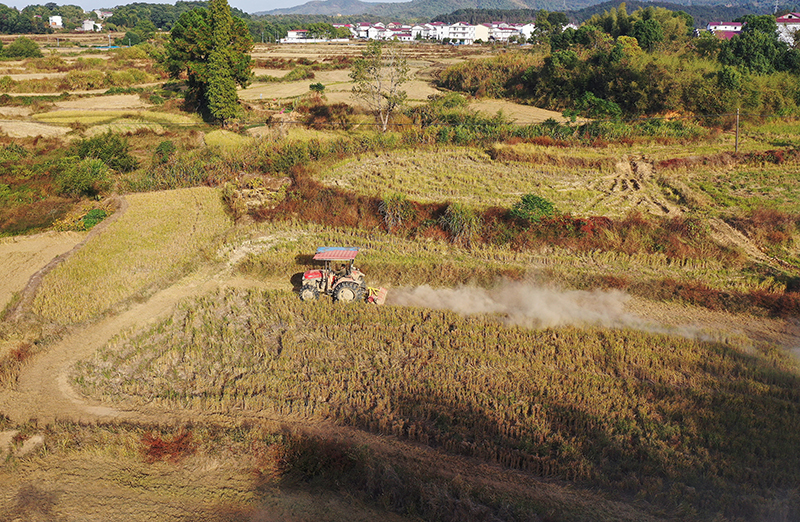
43 391
22 256
29 291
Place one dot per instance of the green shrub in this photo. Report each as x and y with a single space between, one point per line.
87 177
112 149
78 79
532 208
163 152
22 48
93 217
300 73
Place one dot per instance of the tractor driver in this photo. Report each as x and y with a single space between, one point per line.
340 269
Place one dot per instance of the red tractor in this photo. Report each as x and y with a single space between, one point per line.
338 278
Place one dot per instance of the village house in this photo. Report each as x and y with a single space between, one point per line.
724 30
55 22
89 26
788 27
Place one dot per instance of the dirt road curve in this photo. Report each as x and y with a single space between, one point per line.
43 391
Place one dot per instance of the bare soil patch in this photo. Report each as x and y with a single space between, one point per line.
522 114
26 129
117 101
15 112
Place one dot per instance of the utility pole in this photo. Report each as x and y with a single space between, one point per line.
737 130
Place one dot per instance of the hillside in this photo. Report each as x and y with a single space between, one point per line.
587 319
578 10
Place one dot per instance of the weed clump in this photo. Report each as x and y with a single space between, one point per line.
111 148
532 208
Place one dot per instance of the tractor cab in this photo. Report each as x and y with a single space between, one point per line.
339 278
336 277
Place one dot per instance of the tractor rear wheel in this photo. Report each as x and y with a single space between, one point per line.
309 293
348 292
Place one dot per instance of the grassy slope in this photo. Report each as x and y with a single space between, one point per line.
673 420
160 237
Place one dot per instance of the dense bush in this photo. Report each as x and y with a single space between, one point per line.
87 177
111 148
22 48
164 151
532 208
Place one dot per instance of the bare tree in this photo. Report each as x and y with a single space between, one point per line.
378 76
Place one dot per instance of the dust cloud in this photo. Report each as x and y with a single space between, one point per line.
537 306
525 304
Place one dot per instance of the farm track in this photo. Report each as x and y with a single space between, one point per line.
632 186
27 295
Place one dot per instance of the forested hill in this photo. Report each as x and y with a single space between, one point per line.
415 9
702 14
510 10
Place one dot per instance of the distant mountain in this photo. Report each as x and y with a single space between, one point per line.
416 9
324 7
424 10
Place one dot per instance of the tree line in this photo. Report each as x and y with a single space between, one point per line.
644 63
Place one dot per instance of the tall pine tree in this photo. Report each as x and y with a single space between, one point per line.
212 48
223 102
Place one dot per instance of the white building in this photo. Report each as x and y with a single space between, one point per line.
90 26
735 27
788 27
500 31
56 22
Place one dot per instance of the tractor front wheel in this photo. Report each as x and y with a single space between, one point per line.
309 293
347 292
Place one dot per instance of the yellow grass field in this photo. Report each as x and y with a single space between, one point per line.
160 237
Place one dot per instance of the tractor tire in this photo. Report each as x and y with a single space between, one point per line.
309 293
348 292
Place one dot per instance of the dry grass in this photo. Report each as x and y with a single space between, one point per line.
159 238
226 140
555 402
88 117
470 176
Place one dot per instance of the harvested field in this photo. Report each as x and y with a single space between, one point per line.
417 90
26 129
466 175
114 102
22 256
517 113
35 76
160 237
89 117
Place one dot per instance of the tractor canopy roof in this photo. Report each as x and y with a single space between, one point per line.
336 253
